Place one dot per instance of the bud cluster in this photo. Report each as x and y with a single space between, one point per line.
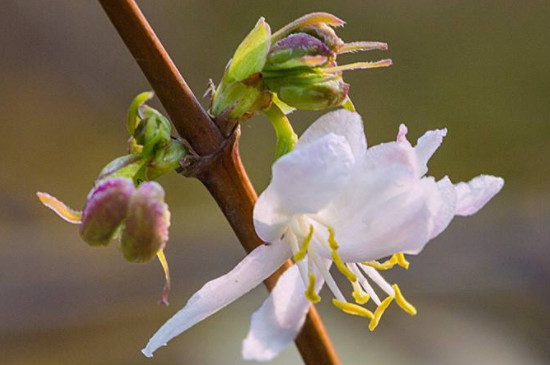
293 68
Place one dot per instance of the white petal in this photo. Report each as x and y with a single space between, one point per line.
426 147
304 181
218 293
278 321
340 122
443 206
401 223
473 195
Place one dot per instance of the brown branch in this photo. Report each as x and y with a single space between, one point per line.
225 177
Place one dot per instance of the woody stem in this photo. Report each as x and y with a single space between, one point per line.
225 179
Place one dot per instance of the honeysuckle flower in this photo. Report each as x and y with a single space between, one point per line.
294 67
114 209
333 200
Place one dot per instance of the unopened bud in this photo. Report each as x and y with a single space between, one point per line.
166 159
105 210
146 225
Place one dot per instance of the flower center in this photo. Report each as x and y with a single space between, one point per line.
306 237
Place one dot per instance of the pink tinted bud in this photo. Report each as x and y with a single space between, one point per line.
105 210
147 223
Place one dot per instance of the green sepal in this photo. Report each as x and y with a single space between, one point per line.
250 56
133 112
124 166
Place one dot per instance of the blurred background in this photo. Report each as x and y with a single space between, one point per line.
478 68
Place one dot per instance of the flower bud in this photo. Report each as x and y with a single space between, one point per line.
146 225
152 130
298 67
105 210
166 159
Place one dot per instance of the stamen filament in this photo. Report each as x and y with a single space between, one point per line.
365 284
291 239
353 309
378 279
326 275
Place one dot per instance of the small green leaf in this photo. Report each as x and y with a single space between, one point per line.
250 56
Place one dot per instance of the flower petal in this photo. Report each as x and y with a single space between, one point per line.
279 320
61 209
443 206
426 147
218 293
342 123
473 195
304 181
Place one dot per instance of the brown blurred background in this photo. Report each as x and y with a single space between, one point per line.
478 68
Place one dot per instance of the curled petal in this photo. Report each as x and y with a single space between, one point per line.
473 195
220 292
342 123
279 320
105 210
304 181
147 223
443 206
308 20
62 210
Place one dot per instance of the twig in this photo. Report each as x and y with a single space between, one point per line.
225 177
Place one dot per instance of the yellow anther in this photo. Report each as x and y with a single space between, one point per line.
380 265
332 240
359 294
401 260
396 259
379 311
353 309
300 255
310 293
341 266
402 302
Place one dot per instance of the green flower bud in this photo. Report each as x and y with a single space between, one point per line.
166 159
152 130
293 68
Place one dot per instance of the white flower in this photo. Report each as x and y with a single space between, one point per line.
332 200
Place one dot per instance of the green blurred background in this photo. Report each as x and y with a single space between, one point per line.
479 68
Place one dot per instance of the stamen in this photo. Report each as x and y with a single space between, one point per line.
291 239
401 260
310 293
166 290
362 47
365 284
305 244
378 279
337 259
396 259
353 309
358 66
402 302
359 294
326 275
379 311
